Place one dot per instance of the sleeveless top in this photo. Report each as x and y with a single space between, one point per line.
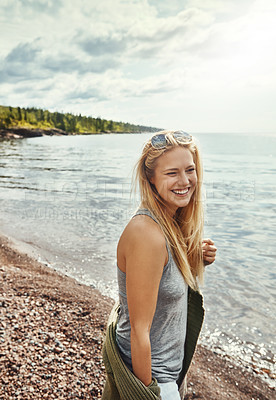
168 329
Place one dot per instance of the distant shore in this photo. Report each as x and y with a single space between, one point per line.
21 133
51 335
35 122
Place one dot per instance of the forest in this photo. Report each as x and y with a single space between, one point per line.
37 118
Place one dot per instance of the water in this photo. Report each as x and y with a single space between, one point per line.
68 197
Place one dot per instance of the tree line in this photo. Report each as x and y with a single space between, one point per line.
34 118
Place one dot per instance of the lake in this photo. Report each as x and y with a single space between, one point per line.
69 199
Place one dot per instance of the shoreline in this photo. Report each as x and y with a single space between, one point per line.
22 133
51 336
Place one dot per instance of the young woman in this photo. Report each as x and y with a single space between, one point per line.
160 258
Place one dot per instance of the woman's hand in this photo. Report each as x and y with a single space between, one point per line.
209 251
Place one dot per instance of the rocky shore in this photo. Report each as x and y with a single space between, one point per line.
51 335
21 133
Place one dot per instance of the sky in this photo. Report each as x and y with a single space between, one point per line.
196 65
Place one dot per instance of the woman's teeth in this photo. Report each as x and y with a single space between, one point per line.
180 191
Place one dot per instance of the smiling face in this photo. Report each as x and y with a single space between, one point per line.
175 178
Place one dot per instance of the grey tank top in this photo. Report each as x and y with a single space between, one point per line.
168 329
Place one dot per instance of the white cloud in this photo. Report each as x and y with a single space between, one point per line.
139 54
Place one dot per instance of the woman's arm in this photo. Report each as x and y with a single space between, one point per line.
145 259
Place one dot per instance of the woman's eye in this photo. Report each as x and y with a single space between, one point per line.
191 170
171 173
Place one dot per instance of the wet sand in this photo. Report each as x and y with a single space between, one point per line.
51 335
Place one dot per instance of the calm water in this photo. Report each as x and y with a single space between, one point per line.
68 197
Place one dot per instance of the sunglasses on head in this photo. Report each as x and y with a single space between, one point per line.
159 141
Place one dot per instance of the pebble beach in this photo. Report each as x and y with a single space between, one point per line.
51 334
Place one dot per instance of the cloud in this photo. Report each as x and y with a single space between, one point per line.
15 8
147 38
64 63
24 52
86 94
99 46
35 60
114 85
39 6
18 64
116 51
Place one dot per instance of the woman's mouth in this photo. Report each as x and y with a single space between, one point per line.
181 192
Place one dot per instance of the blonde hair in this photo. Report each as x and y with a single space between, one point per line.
183 232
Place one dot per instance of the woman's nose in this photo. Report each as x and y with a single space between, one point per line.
183 178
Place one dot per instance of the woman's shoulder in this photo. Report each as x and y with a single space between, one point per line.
143 229
142 235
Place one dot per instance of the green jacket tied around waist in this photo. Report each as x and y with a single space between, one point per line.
121 383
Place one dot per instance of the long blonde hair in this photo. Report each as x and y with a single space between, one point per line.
184 231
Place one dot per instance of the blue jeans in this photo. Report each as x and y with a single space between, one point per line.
169 391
